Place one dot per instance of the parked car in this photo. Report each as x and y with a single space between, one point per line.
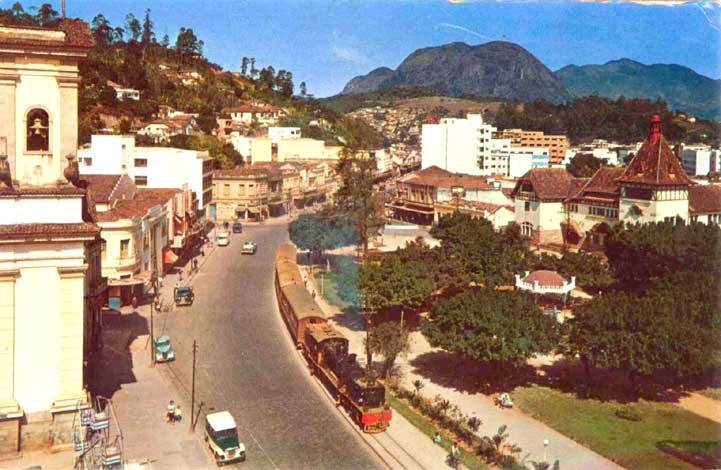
237 228
223 239
163 349
248 248
183 295
221 435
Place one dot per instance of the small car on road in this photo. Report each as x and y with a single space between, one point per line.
237 227
221 435
163 350
248 248
223 239
183 295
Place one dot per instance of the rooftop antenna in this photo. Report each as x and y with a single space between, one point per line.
62 9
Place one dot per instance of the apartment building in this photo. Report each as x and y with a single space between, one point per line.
456 145
250 193
556 144
700 160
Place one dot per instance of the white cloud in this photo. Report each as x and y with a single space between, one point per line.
348 54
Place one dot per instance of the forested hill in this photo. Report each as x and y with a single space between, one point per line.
680 86
174 72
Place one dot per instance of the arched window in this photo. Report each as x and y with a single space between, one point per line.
38 131
526 229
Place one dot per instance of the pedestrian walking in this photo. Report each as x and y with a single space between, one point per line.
313 294
178 414
170 412
437 438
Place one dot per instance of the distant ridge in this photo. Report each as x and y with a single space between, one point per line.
494 69
681 87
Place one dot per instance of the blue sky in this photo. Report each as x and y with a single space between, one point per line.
326 43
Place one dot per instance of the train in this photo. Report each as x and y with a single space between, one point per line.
326 349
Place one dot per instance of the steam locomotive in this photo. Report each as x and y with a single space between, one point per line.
326 349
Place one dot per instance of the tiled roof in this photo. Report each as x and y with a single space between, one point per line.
550 184
239 171
545 278
144 200
102 186
602 185
438 177
655 163
704 199
485 206
81 229
111 215
40 191
77 35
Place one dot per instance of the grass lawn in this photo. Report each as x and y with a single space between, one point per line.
426 426
632 444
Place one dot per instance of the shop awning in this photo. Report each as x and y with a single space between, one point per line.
169 257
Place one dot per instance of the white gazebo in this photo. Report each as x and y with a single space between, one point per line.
545 282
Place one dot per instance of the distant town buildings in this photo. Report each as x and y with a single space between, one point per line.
556 144
700 160
124 93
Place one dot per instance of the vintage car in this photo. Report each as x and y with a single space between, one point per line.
221 435
183 295
223 239
163 349
248 248
237 227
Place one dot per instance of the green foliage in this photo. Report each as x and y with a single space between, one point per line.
484 254
224 155
491 326
389 339
641 255
591 272
187 45
352 101
584 165
316 233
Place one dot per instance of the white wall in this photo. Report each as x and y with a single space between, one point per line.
276 133
456 145
41 210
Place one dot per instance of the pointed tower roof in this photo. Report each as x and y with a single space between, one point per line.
655 163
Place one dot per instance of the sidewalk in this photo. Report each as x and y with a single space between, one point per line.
524 431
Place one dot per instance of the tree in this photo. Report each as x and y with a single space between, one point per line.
102 31
389 339
148 35
669 328
584 165
244 66
165 42
187 44
206 120
591 272
303 89
132 26
315 233
486 325
46 16
253 70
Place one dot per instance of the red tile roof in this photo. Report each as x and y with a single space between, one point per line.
440 178
42 231
704 199
144 200
655 163
545 278
77 36
603 186
102 186
550 184
51 191
242 171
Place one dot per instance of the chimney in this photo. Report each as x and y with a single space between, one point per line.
62 9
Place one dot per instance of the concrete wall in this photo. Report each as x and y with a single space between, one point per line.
53 210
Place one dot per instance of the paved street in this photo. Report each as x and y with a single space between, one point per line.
246 363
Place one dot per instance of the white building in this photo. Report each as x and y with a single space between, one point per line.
512 161
456 145
123 93
150 167
700 160
51 290
276 133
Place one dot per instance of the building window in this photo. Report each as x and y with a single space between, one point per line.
526 206
141 162
124 248
226 190
241 190
141 180
88 161
38 131
526 229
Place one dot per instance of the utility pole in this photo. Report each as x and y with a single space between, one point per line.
192 389
154 283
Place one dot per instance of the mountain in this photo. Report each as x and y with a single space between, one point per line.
679 86
495 69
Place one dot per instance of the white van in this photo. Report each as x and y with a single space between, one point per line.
223 239
221 435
